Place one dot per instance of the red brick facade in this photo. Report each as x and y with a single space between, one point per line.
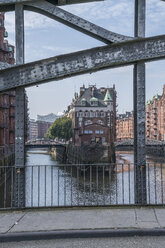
42 128
155 120
124 126
155 117
7 99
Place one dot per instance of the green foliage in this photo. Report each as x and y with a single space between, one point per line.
61 128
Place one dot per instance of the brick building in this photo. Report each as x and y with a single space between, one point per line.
155 117
43 126
93 114
155 120
124 126
38 129
7 98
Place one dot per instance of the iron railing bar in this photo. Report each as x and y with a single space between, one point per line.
32 186
149 184
38 186
84 181
52 186
110 171
90 183
122 184
103 186
97 183
129 183
45 185
64 185
155 183
78 185
142 184
4 200
71 184
58 188
162 183
12 191
116 187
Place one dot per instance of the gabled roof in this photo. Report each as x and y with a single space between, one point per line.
108 97
88 95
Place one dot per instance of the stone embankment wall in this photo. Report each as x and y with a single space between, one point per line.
83 155
59 153
150 150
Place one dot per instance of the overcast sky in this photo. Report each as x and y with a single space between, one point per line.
46 38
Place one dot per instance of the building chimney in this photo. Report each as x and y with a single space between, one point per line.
93 91
82 90
164 89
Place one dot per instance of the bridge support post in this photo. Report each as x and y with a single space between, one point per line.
139 111
19 113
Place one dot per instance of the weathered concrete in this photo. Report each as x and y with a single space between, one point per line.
8 220
82 219
146 218
87 61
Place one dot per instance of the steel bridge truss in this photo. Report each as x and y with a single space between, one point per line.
120 50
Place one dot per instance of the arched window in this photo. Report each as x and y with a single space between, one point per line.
92 114
102 114
86 114
81 113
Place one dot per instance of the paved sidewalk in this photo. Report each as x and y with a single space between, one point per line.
70 222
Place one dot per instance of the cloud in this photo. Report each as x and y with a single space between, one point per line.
60 50
32 21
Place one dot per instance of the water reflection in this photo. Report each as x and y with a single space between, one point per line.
56 185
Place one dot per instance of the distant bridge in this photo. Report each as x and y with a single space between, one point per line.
44 144
155 147
130 142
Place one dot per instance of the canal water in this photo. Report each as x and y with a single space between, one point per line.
50 184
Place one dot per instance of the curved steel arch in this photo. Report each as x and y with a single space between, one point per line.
50 10
75 22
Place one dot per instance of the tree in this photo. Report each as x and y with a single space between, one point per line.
61 128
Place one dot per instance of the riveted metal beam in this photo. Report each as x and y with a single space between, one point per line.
4 65
9 5
19 112
65 2
86 61
75 22
139 111
56 2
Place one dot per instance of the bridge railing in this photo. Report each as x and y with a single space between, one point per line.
80 185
